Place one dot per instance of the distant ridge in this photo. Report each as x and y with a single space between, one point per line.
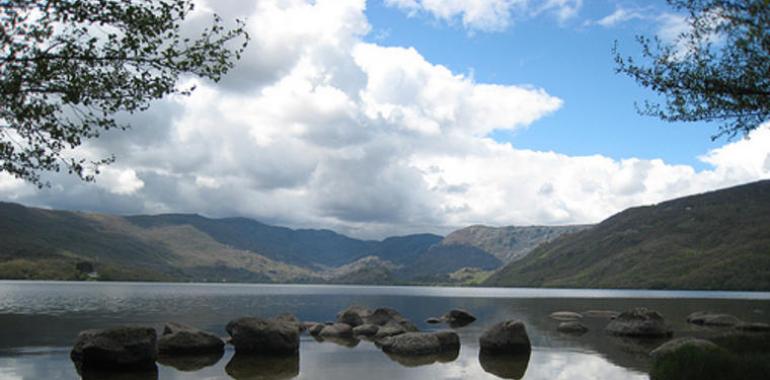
716 240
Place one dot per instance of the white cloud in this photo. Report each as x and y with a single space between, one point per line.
365 139
619 16
487 15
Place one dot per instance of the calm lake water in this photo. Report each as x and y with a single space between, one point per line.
40 320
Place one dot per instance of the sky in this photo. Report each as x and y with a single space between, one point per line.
390 117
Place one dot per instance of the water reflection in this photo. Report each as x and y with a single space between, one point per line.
190 363
102 374
511 366
422 360
261 367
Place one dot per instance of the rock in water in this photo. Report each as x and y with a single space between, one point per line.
366 330
675 345
179 339
290 318
353 315
459 317
433 320
505 337
264 336
387 316
421 343
639 322
566 316
572 327
337 330
707 318
753 327
118 348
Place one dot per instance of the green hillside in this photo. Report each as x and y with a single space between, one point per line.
716 240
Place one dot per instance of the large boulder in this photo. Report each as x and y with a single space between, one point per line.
180 339
707 318
290 318
458 317
264 336
675 345
389 330
118 348
387 316
421 343
337 330
639 322
353 315
509 337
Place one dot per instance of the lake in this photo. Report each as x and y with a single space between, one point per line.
40 320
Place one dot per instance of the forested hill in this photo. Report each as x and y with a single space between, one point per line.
715 240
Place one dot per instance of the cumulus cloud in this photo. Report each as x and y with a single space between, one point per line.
365 139
487 15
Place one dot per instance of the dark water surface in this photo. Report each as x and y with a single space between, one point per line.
40 320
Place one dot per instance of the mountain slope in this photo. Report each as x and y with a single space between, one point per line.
510 243
715 240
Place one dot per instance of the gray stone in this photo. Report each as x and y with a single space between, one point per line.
180 339
420 343
353 315
459 317
566 316
505 337
316 329
433 320
674 345
366 330
337 330
264 336
572 327
707 318
753 327
387 316
389 330
609 314
639 322
118 348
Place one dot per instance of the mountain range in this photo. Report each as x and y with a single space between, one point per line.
51 244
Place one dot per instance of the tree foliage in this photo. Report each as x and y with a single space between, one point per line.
69 66
718 70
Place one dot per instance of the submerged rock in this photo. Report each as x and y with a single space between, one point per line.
504 338
707 318
433 320
566 316
672 346
572 327
264 336
118 348
639 322
180 339
421 343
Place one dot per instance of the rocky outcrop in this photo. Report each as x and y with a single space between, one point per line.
639 322
264 336
118 348
707 318
509 337
180 339
421 343
675 345
572 327
458 317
